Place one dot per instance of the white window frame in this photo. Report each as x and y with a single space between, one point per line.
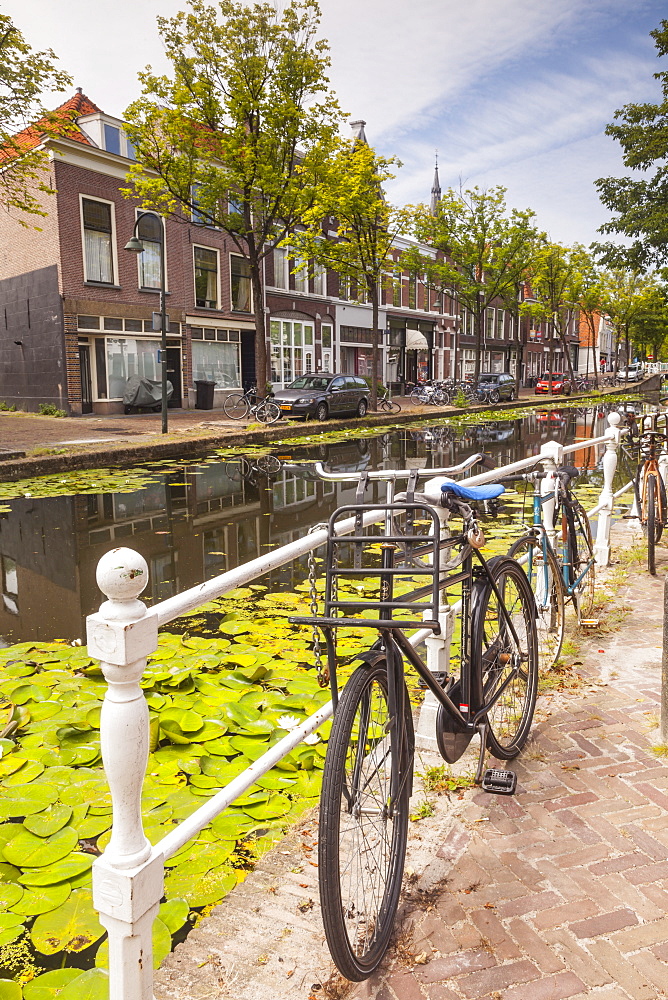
114 255
202 246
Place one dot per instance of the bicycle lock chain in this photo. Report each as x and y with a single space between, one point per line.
322 671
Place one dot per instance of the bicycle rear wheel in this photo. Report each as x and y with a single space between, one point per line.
542 569
236 406
417 396
505 666
362 841
581 554
268 411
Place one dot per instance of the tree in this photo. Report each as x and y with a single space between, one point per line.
360 249
588 295
237 136
625 297
485 250
556 276
650 327
641 204
24 75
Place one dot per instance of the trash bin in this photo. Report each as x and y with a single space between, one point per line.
204 394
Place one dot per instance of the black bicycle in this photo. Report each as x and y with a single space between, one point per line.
411 562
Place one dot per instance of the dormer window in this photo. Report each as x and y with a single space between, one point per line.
112 139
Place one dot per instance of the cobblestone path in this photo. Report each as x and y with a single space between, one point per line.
560 891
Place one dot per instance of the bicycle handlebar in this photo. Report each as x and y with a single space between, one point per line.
390 475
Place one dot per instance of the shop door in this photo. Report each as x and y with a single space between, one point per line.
174 374
86 383
411 366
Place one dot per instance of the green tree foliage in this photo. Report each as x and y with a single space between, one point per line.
486 250
626 297
365 229
640 202
238 133
557 274
24 75
588 295
650 328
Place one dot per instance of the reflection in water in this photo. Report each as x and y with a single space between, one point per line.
197 521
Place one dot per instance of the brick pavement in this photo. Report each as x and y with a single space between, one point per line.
560 891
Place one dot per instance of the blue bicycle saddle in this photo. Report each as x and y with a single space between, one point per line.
487 492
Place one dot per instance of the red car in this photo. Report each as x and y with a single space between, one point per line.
560 383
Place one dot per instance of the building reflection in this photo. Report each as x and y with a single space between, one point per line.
197 521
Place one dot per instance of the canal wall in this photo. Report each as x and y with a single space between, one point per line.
195 442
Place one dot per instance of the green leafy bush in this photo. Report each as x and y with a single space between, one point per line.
6 407
49 410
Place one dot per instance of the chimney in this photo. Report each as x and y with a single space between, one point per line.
358 130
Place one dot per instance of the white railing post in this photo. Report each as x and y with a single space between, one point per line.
128 877
551 457
606 500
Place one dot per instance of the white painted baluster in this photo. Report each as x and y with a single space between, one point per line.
551 457
128 877
606 499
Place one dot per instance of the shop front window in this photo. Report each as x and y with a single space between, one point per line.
216 362
126 357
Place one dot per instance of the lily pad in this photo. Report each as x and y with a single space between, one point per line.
72 926
28 851
10 893
41 899
49 821
23 800
49 985
10 990
69 868
91 985
174 914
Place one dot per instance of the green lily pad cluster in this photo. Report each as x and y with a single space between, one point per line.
217 700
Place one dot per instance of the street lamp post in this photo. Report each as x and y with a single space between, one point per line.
135 245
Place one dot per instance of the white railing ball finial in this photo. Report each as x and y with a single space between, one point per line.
122 575
614 418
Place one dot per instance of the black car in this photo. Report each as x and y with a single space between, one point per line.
323 395
498 385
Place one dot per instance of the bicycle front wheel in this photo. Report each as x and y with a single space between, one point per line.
267 411
236 406
581 551
651 525
362 835
542 569
505 655
417 396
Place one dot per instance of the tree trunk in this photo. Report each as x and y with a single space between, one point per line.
373 293
479 325
260 330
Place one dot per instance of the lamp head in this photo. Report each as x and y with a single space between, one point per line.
134 245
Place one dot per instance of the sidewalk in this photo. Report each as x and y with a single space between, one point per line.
560 891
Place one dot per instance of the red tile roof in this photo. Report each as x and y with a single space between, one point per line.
67 113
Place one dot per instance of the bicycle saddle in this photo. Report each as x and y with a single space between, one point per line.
486 492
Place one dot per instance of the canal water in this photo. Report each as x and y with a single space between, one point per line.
194 520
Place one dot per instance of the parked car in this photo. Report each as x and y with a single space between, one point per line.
501 382
632 373
325 395
560 383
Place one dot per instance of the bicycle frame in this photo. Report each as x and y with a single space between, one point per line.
392 639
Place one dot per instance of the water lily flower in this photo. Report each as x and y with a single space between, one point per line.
288 721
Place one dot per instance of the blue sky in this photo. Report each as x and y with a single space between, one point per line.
511 92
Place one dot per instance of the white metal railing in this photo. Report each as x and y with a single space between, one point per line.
128 877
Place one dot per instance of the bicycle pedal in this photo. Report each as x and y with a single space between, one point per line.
590 622
499 782
440 676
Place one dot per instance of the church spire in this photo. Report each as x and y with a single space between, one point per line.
435 190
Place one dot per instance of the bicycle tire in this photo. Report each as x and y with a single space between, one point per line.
505 671
417 396
494 396
267 412
651 525
361 849
268 465
236 406
544 576
581 552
